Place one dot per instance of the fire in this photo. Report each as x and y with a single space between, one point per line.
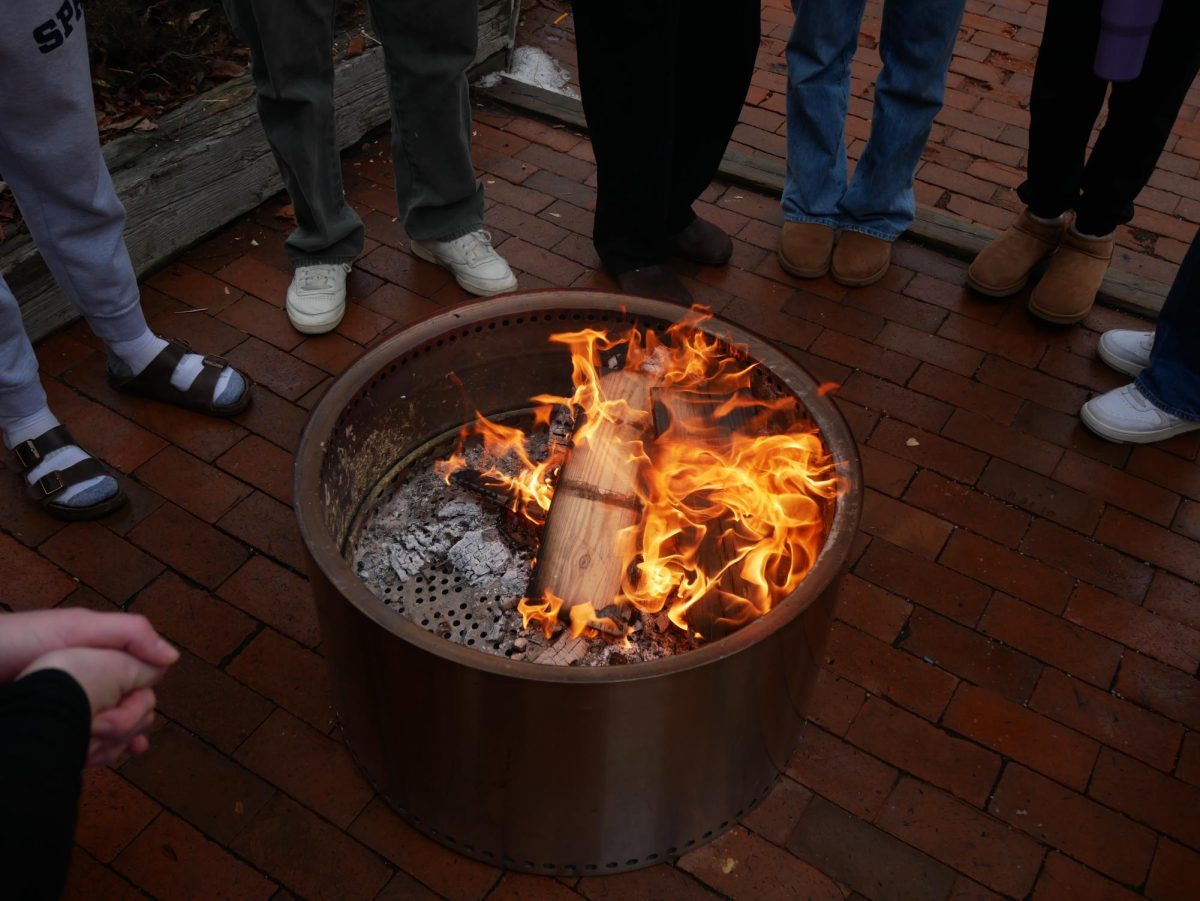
729 492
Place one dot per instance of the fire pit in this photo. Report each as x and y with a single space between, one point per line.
548 769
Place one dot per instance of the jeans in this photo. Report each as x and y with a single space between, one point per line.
663 86
1065 103
916 42
427 49
1172 380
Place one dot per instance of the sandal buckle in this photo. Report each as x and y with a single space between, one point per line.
215 362
27 454
48 487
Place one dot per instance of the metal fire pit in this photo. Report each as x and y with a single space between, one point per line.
547 769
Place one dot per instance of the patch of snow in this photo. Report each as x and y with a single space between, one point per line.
533 65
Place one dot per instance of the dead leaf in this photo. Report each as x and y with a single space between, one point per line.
287 212
728 865
913 442
357 46
169 853
195 17
145 125
227 68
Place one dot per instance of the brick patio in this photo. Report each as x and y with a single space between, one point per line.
1009 705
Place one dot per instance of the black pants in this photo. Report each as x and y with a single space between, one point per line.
663 85
1067 97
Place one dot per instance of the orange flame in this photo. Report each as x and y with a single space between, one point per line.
732 488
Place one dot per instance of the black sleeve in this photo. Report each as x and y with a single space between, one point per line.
45 723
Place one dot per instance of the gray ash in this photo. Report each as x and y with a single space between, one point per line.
454 560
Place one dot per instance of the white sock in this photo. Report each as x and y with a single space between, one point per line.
89 491
138 353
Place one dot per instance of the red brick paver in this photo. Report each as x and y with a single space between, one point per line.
1008 706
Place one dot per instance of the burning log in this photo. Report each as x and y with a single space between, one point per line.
588 537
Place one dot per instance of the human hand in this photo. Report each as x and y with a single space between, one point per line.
24 637
118 690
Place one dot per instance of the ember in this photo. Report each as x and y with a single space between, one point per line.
672 498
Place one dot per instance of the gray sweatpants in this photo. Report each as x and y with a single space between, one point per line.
428 47
50 157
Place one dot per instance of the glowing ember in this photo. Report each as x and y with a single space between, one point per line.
729 490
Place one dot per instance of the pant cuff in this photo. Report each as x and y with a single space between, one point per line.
1143 386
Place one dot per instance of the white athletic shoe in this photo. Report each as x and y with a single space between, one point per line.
473 260
1125 350
1125 415
316 298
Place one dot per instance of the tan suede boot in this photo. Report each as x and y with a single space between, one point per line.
1003 267
805 248
1068 289
860 259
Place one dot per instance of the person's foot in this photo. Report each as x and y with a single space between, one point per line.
475 264
1067 291
805 249
1126 415
1004 266
167 370
1125 350
860 260
316 298
703 243
655 281
64 479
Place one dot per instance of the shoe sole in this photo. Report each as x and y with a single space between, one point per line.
800 272
479 290
93 511
1057 318
986 291
1127 367
315 328
862 281
1122 436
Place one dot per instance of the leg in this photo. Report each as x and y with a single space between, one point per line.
1066 99
428 48
627 54
718 52
292 62
822 43
50 154
917 40
1141 114
1172 380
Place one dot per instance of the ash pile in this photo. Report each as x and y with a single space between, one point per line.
454 559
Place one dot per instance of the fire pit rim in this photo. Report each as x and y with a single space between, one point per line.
324 551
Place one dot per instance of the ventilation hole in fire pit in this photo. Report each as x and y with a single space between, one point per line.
707 834
670 852
632 862
589 866
651 857
611 865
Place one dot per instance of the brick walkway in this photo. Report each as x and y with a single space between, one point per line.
1009 704
976 154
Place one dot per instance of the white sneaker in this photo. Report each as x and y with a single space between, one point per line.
316 298
1125 350
473 260
1124 414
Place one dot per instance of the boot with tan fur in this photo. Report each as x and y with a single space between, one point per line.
1067 291
1003 267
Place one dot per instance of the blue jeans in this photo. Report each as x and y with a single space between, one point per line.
1172 380
916 42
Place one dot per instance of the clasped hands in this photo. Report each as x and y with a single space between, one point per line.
116 658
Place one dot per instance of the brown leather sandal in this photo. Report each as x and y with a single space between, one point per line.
155 382
31 453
